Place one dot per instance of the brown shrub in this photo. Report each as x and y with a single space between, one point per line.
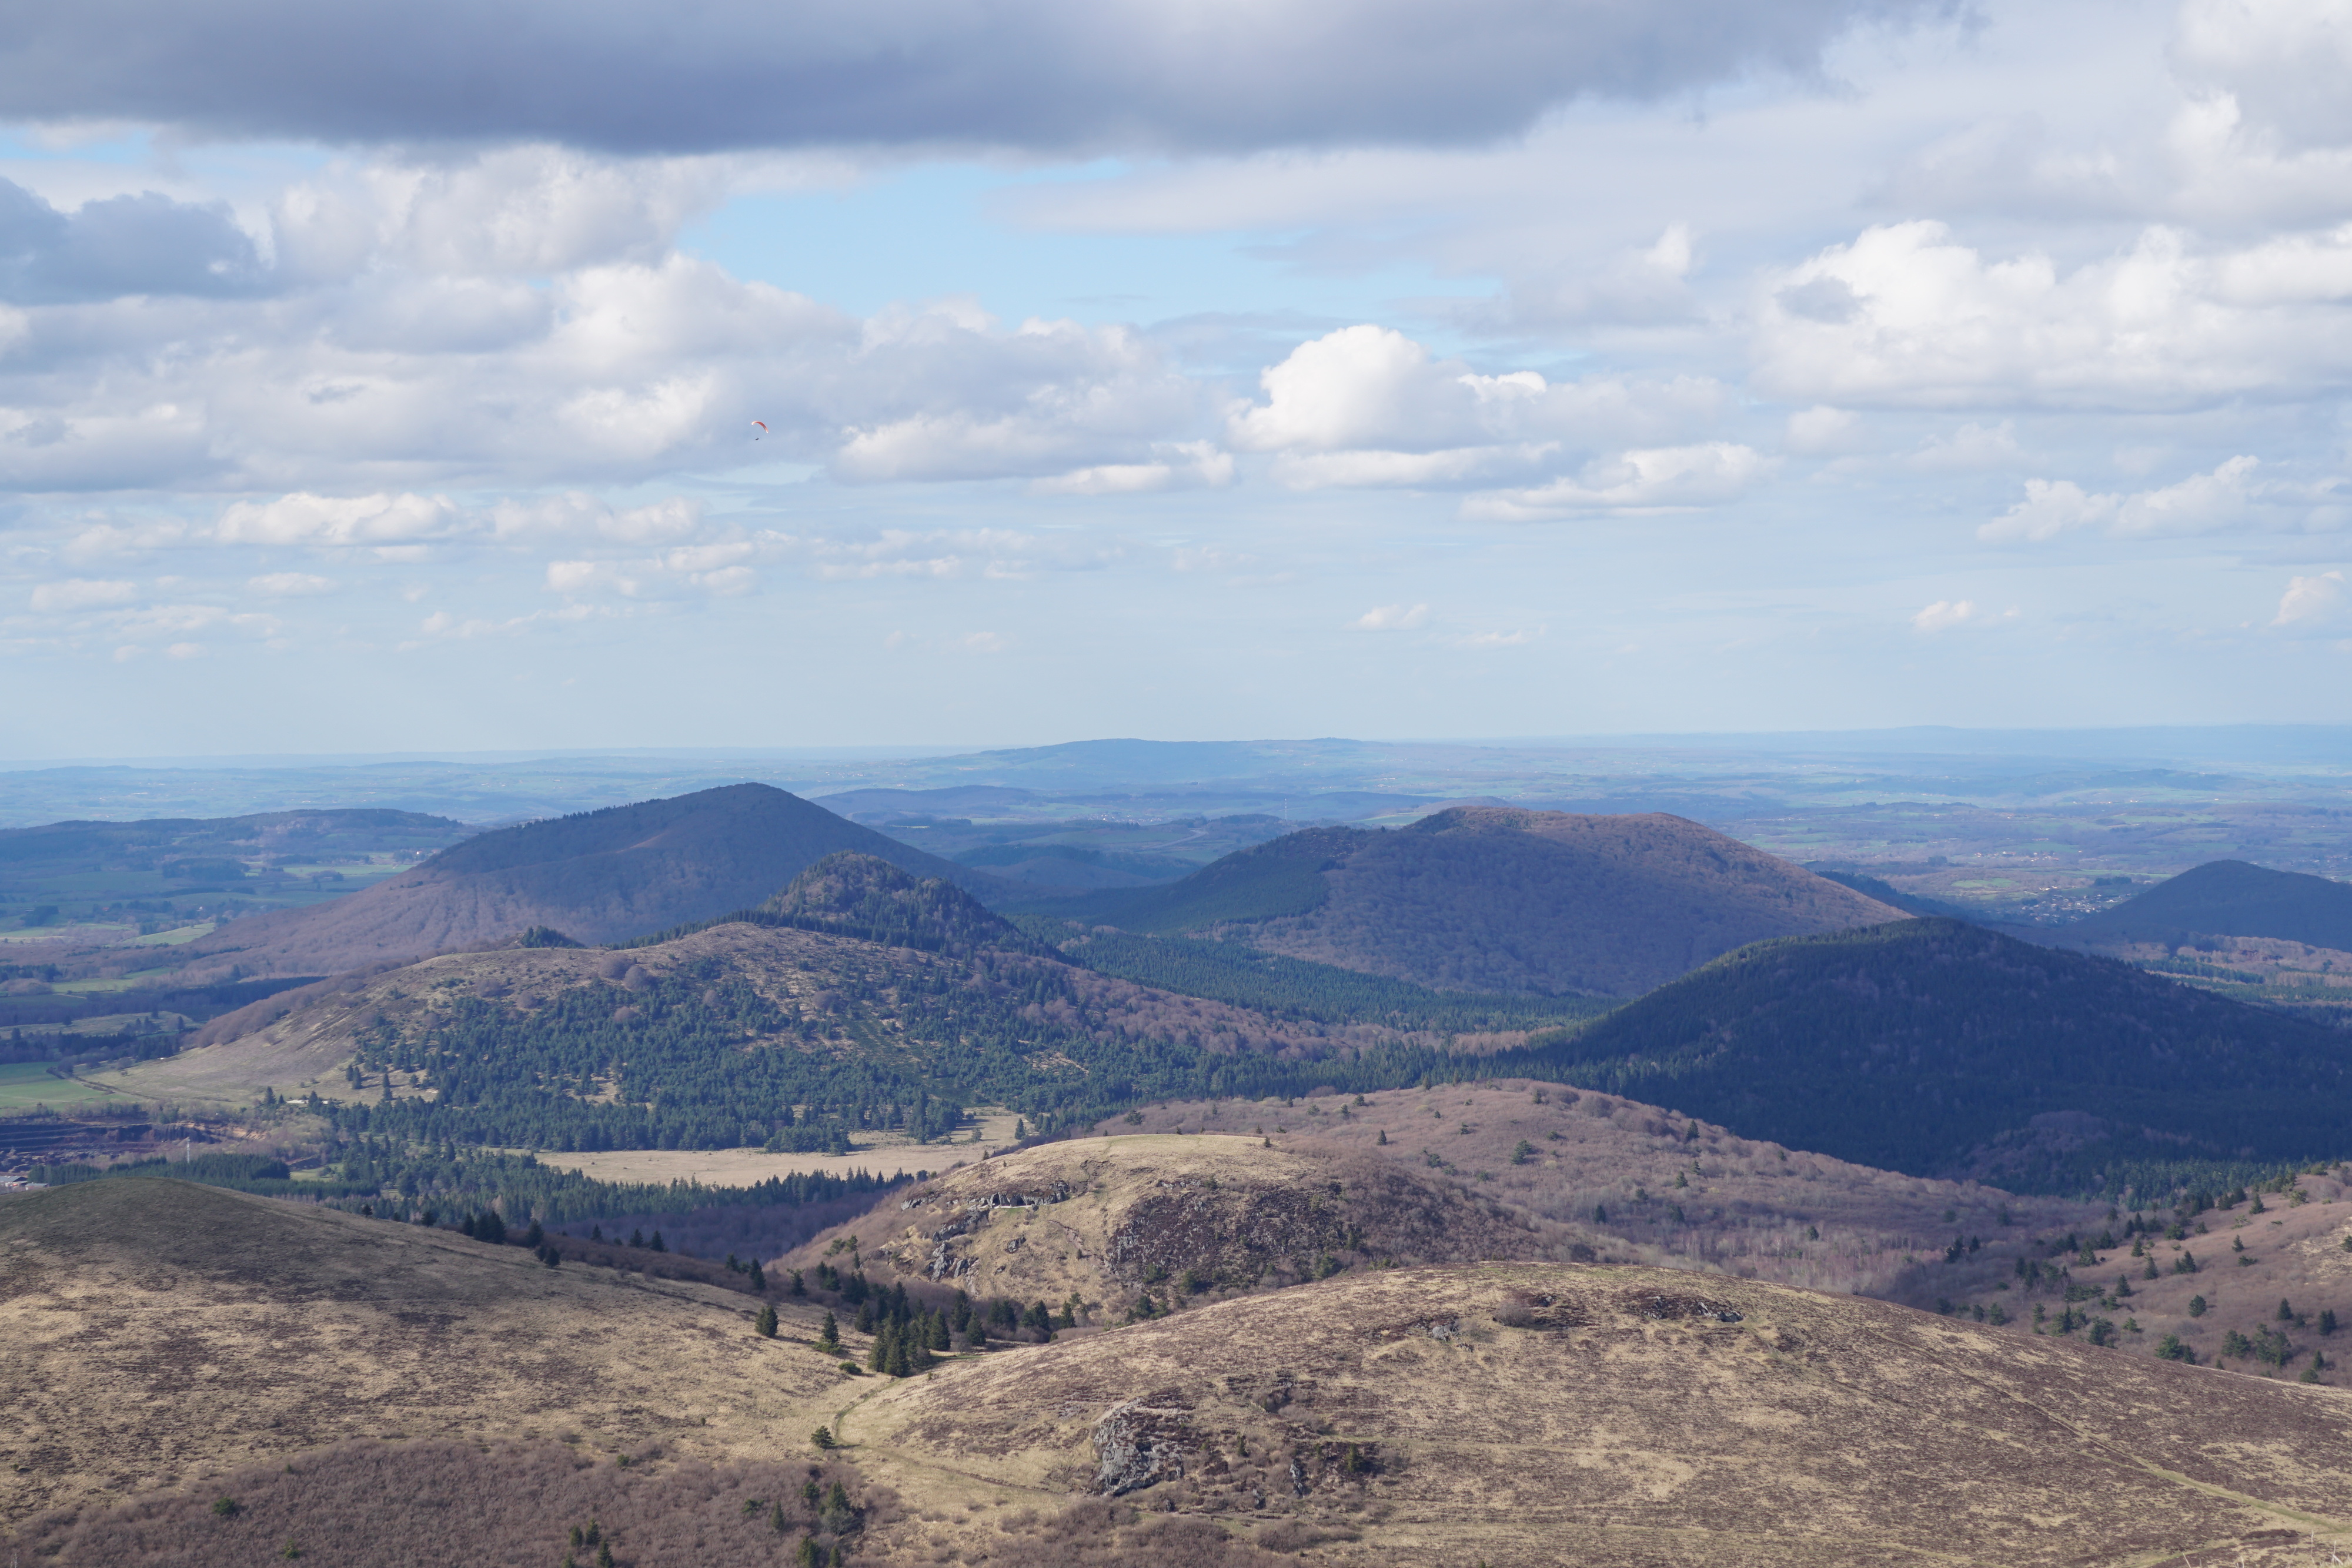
394 1505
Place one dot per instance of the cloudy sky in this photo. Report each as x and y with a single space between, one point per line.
1185 369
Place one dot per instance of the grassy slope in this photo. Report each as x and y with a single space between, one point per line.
1913 1046
1520 1414
1528 1414
159 1329
1109 1220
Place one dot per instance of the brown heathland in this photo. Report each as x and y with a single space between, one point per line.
1534 1414
173 1345
158 1331
1107 1221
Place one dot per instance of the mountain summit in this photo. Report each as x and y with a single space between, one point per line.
598 877
1498 899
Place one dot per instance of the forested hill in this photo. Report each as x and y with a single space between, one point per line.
2227 898
600 876
1499 900
862 892
1932 1046
746 1033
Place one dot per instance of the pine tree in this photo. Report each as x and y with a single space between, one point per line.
636 1238
765 1324
758 1281
879 1358
658 1243
902 1360
829 1337
799 1287
1385 1136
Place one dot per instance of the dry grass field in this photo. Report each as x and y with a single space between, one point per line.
159 1332
1108 1221
369 1393
1532 1414
1663 1197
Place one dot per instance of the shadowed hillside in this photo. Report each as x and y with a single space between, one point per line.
1500 900
1935 1046
2228 898
601 876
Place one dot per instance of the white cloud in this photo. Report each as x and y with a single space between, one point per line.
2314 597
2282 63
1950 614
1392 618
1368 406
1905 315
1970 446
288 584
942 555
577 515
112 541
306 519
81 593
1661 478
1821 430
2228 498
1187 464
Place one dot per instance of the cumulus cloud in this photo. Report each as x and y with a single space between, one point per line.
1649 286
1905 315
2310 598
1821 430
1367 405
1950 614
81 593
306 519
1045 74
1658 479
289 584
131 245
622 372
2282 63
1187 464
943 555
2230 498
1392 618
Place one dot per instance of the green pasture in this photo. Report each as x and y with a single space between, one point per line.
24 1085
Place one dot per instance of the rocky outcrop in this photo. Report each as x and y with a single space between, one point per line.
1140 1441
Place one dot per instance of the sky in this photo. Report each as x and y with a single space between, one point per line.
509 374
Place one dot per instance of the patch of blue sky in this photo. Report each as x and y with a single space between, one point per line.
936 230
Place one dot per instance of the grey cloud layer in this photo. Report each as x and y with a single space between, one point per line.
145 244
1041 74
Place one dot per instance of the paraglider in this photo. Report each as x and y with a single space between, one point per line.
763 428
